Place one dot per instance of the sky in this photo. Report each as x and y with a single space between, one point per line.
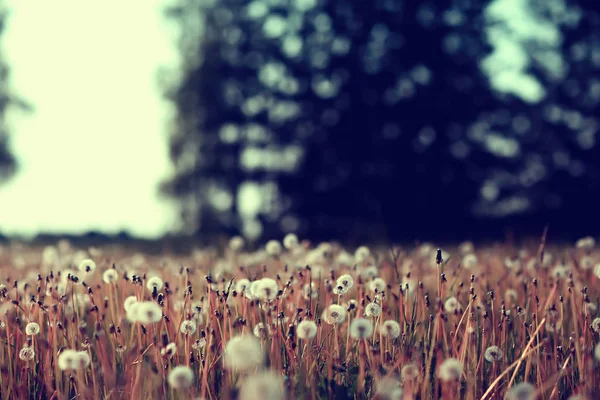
95 148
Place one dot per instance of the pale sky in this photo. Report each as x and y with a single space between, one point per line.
94 150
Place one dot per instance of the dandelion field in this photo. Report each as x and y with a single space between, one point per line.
295 320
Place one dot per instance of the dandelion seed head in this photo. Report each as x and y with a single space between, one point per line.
335 314
361 328
181 377
32 329
148 312
450 369
307 329
154 282
263 385
390 328
243 353
378 285
493 354
410 372
87 266
199 344
242 285
273 248
110 276
310 291
290 241
469 261
27 354
340 290
188 327
451 305
237 243
267 290
262 331
597 352
372 310
586 263
362 254
346 281
388 388
596 325
169 350
585 243
521 391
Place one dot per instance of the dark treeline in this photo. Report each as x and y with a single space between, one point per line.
383 119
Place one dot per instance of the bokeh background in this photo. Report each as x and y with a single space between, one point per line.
380 120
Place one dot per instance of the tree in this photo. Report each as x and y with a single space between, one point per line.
370 119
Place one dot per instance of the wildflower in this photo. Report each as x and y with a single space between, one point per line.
596 325
273 248
493 353
469 261
148 312
181 377
410 372
87 266
597 352
378 285
188 327
561 271
129 301
346 281
450 370
361 328
591 308
154 282
369 272
27 353
264 385
243 353
242 285
237 243
131 311
110 276
597 271
262 331
267 290
290 241
307 329
362 254
32 329
73 359
388 388
372 310
390 328
466 248
344 258
339 290
334 314
169 351
586 243
512 263
451 305
521 391
199 344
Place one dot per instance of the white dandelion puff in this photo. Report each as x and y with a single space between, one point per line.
27 353
154 282
243 353
388 388
181 377
586 243
263 385
188 327
346 281
267 290
492 354
334 314
410 372
378 285
32 329
361 328
596 325
290 241
307 329
242 285
110 275
169 350
237 243
273 248
261 331
148 312
87 266
390 328
372 310
521 391
450 369
469 261
597 352
310 291
451 305
362 254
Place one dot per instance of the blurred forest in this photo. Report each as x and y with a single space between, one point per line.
386 119
7 160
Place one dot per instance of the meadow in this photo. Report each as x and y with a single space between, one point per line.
300 320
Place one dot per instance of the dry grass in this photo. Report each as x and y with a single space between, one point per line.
412 323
